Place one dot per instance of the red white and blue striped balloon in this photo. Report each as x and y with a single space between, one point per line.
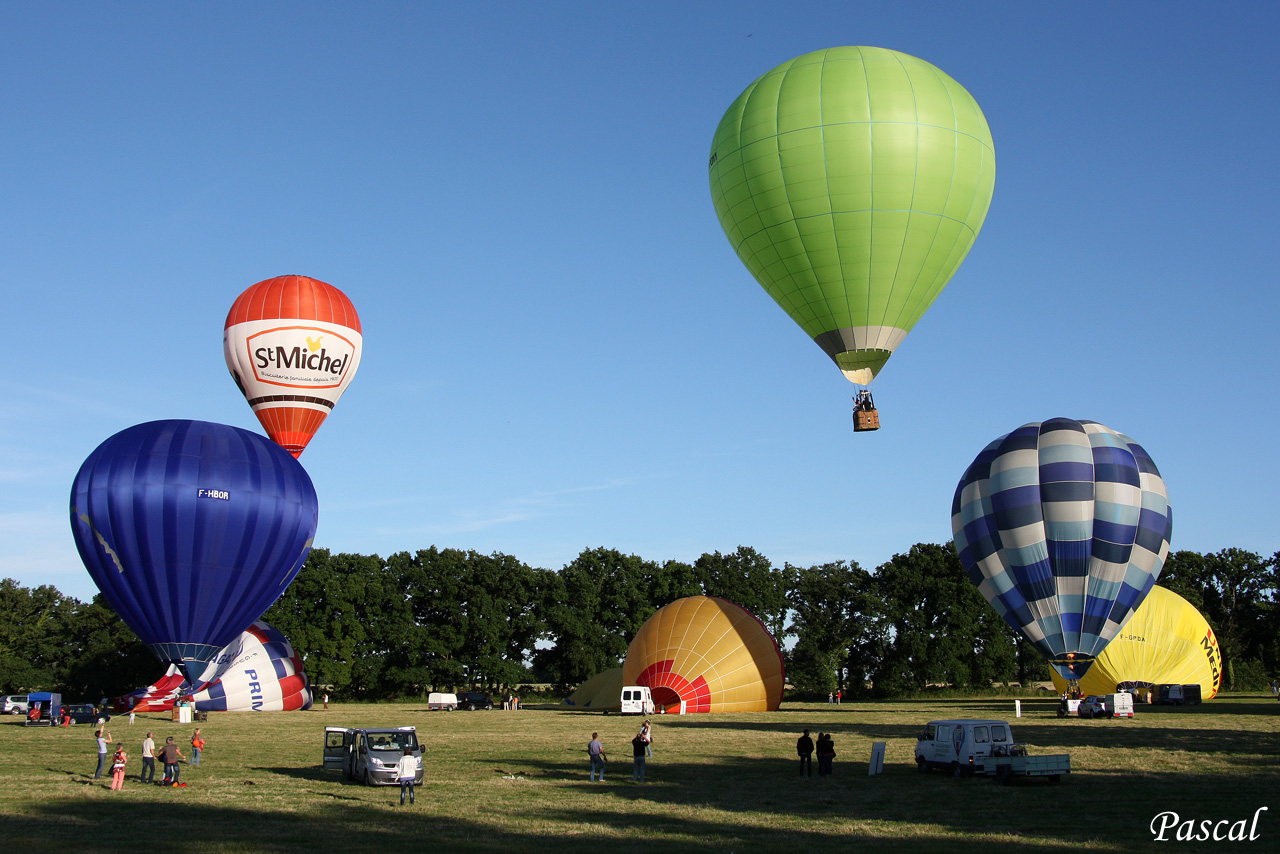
1064 527
260 674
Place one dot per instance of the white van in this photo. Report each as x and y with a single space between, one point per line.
448 702
961 746
637 700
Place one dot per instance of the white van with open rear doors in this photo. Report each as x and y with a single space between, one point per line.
637 700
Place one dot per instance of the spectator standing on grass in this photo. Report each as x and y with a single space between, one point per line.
637 754
406 770
117 768
104 738
595 752
197 745
169 755
826 753
804 749
148 774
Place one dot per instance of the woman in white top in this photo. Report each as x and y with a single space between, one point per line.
406 770
104 738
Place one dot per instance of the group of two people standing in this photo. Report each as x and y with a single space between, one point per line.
118 760
826 750
641 749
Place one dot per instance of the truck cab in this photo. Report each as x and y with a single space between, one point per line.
961 746
370 755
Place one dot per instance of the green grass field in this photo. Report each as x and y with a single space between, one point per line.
517 782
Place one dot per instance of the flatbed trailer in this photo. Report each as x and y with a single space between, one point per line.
1006 768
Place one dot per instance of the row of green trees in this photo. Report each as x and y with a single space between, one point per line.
377 628
52 642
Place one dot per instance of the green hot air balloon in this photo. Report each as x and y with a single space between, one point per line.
852 181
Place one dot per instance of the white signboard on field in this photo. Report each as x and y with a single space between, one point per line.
877 758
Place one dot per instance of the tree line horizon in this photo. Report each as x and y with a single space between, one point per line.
372 628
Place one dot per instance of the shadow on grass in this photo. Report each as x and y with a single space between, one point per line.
315 774
697 802
118 826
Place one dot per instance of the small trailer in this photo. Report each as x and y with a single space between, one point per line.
1006 765
437 701
43 708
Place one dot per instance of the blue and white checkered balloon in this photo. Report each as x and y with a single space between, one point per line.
1064 527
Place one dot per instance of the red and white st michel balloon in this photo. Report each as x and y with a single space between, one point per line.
292 345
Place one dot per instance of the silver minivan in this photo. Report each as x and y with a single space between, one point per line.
370 755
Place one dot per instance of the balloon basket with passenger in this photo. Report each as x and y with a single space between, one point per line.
865 415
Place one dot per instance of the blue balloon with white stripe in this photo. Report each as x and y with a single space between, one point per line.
191 530
1064 527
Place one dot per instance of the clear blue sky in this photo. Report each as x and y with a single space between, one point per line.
561 349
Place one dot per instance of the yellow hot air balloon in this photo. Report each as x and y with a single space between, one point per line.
1166 642
710 653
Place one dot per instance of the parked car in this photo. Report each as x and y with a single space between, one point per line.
472 700
13 704
83 713
370 755
1107 706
